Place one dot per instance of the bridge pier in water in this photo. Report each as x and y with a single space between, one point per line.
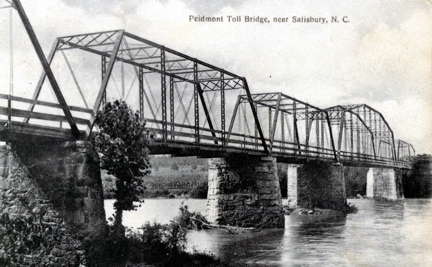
244 191
384 183
316 184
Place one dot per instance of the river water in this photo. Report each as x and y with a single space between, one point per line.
380 234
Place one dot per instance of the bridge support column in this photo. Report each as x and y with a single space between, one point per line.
292 185
245 192
69 175
316 185
384 183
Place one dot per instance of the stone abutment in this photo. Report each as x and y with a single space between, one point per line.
68 173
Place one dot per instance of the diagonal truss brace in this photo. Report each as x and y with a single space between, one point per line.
47 69
104 83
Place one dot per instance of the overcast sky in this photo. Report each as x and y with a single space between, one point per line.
382 57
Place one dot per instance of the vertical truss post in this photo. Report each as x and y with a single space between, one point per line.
398 150
47 68
103 71
322 131
9 112
341 128
172 115
164 97
223 108
196 104
296 133
283 131
105 82
351 136
256 134
317 132
274 124
141 91
306 128
255 114
270 123
358 141
373 145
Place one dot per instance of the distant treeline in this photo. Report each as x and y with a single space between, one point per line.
167 161
418 181
170 174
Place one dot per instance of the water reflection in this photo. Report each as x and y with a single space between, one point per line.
380 234
246 248
311 241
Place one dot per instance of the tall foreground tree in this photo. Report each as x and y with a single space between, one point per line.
122 144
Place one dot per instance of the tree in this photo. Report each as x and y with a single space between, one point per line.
122 144
174 166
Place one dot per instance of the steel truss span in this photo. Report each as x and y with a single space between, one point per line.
192 107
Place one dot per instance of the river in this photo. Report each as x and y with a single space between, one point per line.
380 234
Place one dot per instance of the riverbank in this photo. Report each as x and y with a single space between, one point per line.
391 234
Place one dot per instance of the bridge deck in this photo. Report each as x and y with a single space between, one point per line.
17 121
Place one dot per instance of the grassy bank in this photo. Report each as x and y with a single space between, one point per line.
153 244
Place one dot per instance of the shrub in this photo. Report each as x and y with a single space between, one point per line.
200 191
174 167
191 220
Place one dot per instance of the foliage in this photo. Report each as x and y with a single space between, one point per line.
351 208
26 241
122 143
109 249
166 161
355 180
200 191
417 183
191 220
282 174
154 244
174 167
164 244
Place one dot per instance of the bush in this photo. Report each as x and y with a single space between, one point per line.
191 220
200 191
155 244
174 167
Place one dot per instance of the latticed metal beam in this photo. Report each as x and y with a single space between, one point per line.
177 64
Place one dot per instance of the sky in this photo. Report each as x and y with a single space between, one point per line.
382 57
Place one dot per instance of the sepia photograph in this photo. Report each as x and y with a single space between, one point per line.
215 133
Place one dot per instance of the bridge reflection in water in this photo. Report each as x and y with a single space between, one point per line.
379 234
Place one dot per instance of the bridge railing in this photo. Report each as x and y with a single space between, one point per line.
207 137
39 117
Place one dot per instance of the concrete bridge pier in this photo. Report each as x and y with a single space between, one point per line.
384 183
244 191
316 184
